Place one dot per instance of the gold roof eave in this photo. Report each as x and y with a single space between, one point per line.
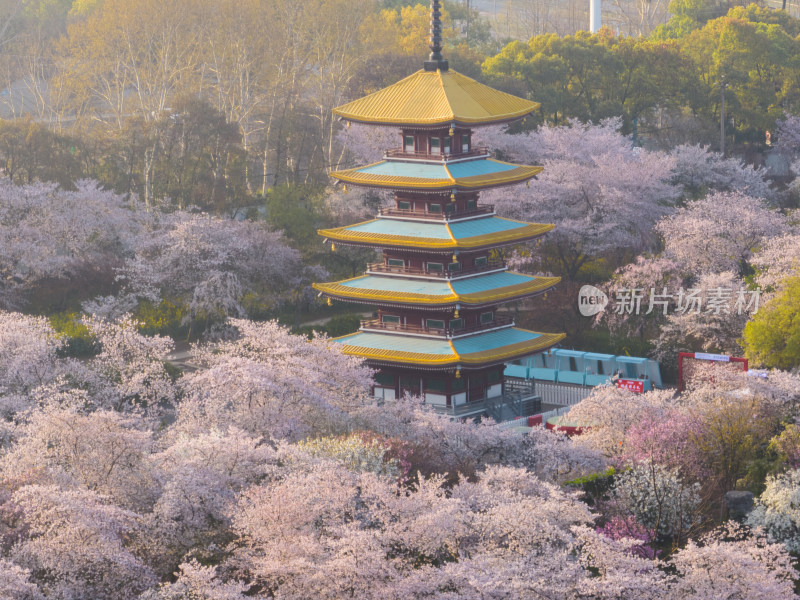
509 236
535 286
510 177
543 342
431 98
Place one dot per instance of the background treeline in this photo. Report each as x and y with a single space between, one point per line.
212 103
668 83
203 102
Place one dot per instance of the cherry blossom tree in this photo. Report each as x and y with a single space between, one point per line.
713 567
198 583
778 390
611 412
199 477
553 456
15 584
360 538
601 193
698 170
126 374
367 143
271 383
47 233
658 498
622 570
668 439
28 359
787 135
777 509
719 232
210 263
129 367
103 451
356 453
648 278
777 260
617 528
714 324
78 545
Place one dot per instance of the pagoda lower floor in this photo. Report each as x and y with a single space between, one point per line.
474 393
461 374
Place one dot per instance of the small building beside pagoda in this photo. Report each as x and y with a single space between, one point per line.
442 278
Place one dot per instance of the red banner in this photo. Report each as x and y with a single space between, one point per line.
634 385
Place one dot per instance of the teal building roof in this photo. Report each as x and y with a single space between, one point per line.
481 348
475 173
487 230
469 291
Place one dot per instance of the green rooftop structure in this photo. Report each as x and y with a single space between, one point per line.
439 333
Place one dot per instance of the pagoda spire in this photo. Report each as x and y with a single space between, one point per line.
435 61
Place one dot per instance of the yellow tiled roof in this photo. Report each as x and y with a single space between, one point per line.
436 98
527 232
536 285
543 342
516 175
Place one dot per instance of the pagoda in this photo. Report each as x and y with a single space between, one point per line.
439 333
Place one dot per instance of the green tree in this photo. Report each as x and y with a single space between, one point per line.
593 77
30 152
688 15
772 338
759 60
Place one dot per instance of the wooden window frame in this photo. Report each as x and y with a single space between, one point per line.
440 266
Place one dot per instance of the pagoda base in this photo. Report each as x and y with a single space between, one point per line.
518 398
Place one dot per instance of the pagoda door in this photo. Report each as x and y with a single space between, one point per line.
476 386
410 384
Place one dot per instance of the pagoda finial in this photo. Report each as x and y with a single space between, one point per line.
435 61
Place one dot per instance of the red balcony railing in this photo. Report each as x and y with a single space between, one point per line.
442 216
378 325
442 157
446 274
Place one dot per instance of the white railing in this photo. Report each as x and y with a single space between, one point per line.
562 394
556 412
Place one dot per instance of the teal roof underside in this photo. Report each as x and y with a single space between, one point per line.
467 345
384 341
471 285
472 168
475 227
396 284
404 228
460 230
493 340
406 169
489 282
459 170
